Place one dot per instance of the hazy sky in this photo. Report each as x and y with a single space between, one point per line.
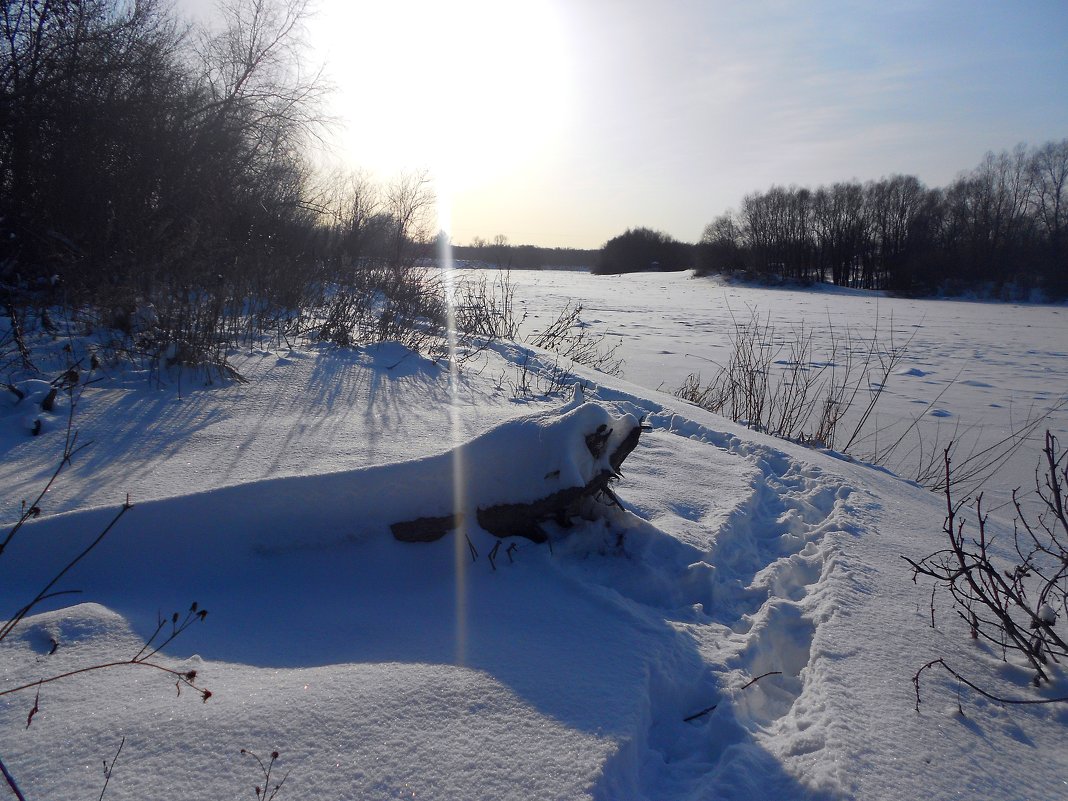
564 122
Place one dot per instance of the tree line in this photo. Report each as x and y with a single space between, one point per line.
1000 227
499 252
141 155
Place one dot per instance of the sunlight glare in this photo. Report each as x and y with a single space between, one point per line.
474 89
459 498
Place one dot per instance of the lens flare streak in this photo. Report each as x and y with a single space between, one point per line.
459 499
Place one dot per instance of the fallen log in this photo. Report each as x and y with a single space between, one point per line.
525 519
606 447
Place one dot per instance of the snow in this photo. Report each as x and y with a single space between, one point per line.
381 669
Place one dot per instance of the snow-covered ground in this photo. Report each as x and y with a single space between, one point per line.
381 669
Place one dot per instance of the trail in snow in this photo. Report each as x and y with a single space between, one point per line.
736 590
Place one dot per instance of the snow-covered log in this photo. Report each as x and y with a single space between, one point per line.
553 466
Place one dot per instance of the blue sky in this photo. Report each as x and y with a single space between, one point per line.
563 122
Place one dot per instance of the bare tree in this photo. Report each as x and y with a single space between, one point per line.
77 79
350 201
987 221
999 226
841 230
1049 199
257 97
501 252
410 201
1049 185
720 247
254 66
898 211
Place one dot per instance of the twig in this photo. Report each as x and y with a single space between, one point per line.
7 628
978 689
108 771
34 508
761 676
16 330
1015 608
703 712
193 615
712 708
70 449
36 707
187 677
11 782
262 793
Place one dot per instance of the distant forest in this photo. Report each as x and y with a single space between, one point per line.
499 253
999 228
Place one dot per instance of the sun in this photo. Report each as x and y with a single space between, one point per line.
472 89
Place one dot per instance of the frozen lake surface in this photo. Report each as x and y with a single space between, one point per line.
973 371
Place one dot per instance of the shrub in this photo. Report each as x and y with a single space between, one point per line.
1017 603
779 385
